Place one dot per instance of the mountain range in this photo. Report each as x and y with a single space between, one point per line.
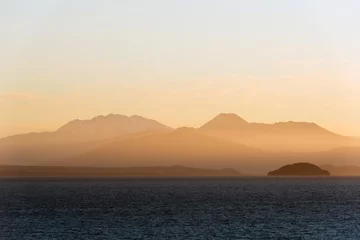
282 136
75 137
227 141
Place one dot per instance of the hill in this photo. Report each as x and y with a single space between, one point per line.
106 127
73 138
226 141
283 136
184 146
299 169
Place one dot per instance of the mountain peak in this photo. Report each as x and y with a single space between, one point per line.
109 126
137 117
225 121
230 116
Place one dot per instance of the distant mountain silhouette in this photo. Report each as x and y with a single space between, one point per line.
225 121
110 126
172 171
73 138
283 136
225 141
299 169
184 146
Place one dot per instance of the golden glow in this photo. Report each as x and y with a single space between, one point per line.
178 63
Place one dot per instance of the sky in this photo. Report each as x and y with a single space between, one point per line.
179 62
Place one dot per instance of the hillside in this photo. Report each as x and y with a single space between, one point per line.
299 169
75 137
225 141
279 137
110 126
184 146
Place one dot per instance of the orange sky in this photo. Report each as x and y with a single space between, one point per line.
179 62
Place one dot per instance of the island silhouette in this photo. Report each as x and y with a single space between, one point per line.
299 169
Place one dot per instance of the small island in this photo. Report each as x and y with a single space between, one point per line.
299 169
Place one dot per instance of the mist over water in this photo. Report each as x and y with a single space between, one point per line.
180 208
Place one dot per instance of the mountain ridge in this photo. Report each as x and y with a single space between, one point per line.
229 141
98 120
75 137
280 136
226 119
184 146
110 126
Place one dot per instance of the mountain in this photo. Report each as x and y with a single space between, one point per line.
283 136
172 171
299 169
97 128
225 141
184 146
225 121
73 138
110 126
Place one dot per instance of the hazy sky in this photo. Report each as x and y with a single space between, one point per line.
179 62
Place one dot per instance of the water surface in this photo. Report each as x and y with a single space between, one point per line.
180 208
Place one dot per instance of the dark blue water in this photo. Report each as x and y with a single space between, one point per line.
238 208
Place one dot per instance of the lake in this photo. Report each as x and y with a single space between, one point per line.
180 208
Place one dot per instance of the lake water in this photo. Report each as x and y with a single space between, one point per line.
228 208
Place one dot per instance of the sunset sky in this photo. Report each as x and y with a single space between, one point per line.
179 62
